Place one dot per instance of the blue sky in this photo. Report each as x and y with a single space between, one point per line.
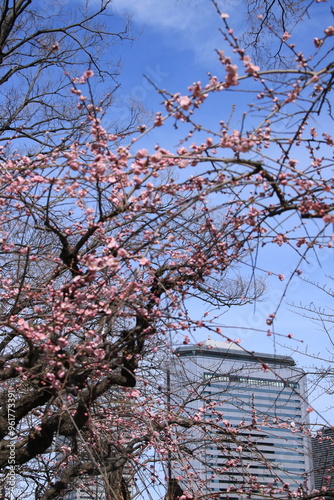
175 46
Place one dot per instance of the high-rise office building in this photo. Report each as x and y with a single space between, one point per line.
258 444
323 460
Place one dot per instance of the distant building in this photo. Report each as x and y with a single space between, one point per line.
88 492
323 459
261 395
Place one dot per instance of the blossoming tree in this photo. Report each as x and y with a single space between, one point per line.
39 41
103 244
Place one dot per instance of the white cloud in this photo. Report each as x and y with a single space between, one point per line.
164 14
188 24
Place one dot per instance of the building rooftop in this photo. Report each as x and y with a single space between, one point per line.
219 349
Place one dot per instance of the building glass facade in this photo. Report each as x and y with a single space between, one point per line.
261 402
323 458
